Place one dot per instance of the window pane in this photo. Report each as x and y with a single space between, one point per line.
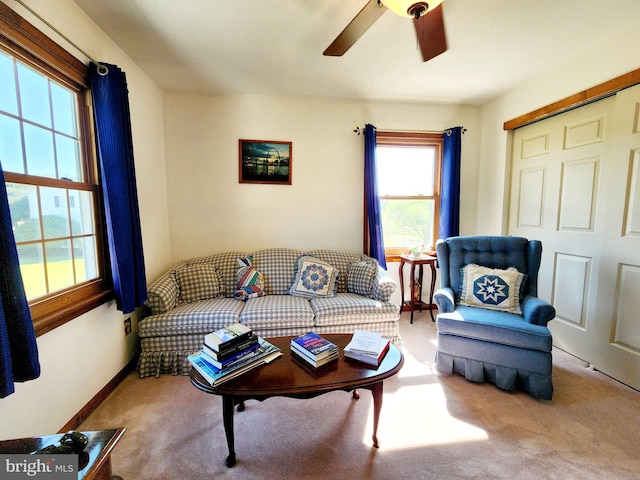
39 149
64 110
68 158
25 216
34 96
407 223
10 145
55 215
32 270
406 171
8 98
81 207
59 264
86 261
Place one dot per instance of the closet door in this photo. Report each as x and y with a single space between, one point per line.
574 187
555 198
616 346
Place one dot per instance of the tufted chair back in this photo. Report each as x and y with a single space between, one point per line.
494 252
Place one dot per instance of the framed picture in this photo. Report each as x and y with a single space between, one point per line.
265 161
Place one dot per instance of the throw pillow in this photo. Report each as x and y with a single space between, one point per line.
491 288
360 277
200 281
250 280
314 278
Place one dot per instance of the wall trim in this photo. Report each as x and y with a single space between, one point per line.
606 89
88 409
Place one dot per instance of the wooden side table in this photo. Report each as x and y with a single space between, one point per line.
95 461
415 298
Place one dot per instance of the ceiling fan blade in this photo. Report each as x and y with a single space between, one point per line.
356 28
431 35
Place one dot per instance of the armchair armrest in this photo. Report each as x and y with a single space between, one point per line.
445 300
383 286
537 311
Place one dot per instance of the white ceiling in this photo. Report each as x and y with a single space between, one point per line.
274 47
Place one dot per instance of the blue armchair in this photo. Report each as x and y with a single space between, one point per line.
491 325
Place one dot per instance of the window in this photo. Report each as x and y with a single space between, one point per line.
408 175
50 175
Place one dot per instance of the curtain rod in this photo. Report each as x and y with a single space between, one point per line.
102 69
359 131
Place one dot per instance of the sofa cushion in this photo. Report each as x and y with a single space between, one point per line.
494 327
491 288
227 265
199 282
202 317
360 277
314 278
277 311
351 308
340 260
277 265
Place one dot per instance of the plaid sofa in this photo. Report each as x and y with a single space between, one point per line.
179 319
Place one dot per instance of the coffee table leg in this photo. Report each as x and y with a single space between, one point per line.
227 418
376 391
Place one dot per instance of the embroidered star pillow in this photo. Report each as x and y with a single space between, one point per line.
492 288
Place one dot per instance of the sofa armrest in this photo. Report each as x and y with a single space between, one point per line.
163 294
383 286
537 311
445 300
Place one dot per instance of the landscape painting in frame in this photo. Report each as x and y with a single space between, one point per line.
265 161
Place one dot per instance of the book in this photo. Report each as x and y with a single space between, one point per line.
373 360
220 356
211 356
226 337
266 353
313 363
313 346
364 342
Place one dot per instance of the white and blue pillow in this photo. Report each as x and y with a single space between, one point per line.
492 288
314 278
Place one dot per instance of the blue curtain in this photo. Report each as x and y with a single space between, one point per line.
372 200
18 349
115 153
450 184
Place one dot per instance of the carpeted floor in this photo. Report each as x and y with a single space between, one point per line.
431 427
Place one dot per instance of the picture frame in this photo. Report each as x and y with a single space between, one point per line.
264 161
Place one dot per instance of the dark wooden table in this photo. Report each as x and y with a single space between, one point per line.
289 377
95 461
415 296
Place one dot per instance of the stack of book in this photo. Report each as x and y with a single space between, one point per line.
367 347
314 349
231 351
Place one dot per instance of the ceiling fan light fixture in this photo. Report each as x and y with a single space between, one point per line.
410 8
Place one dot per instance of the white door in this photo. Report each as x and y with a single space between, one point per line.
616 345
566 189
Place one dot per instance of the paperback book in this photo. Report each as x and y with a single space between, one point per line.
228 360
215 376
315 363
313 346
227 337
369 348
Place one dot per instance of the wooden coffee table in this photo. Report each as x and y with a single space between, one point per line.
289 377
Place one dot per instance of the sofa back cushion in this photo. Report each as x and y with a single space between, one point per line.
227 263
277 265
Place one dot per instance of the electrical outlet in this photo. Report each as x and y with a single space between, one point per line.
127 326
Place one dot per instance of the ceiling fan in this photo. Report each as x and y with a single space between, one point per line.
427 19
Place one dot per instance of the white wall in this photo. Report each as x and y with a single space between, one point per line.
210 211
81 357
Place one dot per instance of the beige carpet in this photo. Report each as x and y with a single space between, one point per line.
431 427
